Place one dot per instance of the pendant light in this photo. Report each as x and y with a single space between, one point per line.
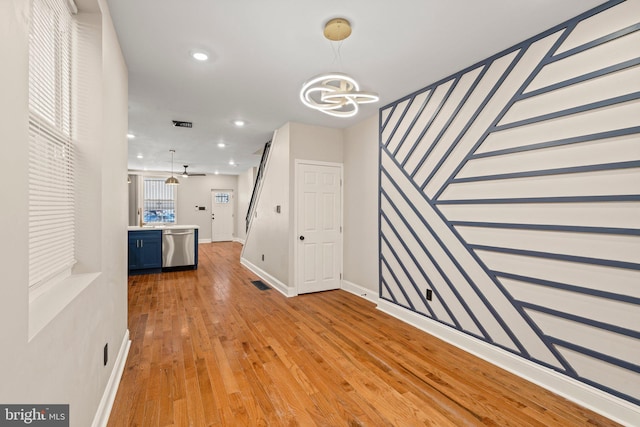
335 94
172 180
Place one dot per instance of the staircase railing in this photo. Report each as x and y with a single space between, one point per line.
256 186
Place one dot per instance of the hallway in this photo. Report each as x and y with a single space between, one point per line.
210 349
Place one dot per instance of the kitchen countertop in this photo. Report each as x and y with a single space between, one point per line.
161 227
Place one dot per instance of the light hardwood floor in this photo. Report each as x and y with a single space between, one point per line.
210 349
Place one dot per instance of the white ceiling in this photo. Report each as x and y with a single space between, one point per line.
262 51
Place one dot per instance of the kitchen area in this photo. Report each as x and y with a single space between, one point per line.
164 230
158 248
156 241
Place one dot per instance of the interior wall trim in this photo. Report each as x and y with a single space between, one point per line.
359 291
103 412
272 281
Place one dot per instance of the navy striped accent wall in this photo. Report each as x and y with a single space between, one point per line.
511 190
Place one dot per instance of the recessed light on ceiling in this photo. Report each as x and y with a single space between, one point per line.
199 55
239 123
139 156
231 163
216 172
221 144
130 136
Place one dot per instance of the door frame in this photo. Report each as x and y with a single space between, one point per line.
296 203
233 209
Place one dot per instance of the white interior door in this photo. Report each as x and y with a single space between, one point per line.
221 215
319 227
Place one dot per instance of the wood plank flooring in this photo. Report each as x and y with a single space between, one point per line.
210 349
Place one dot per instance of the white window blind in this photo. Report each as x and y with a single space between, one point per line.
51 150
159 201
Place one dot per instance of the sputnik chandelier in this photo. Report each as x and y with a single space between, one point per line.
335 94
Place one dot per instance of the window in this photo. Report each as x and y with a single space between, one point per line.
51 148
159 201
222 198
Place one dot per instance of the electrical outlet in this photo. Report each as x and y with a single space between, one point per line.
429 294
105 354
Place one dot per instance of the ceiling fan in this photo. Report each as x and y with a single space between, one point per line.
186 174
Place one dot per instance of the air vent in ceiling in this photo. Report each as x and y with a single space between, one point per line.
180 124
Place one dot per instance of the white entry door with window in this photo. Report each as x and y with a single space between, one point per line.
319 226
221 215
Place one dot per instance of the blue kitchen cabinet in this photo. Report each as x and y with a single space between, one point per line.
145 251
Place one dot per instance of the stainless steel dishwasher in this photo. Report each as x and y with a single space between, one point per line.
178 247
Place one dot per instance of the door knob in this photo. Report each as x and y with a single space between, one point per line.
301 237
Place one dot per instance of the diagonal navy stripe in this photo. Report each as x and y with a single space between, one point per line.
595 354
582 78
570 111
558 199
395 278
528 321
384 125
547 172
457 265
570 288
597 42
435 115
413 122
561 257
475 115
386 286
559 142
536 70
435 263
584 320
400 119
443 276
550 227
453 116
409 277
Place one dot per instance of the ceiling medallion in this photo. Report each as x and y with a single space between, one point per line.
335 94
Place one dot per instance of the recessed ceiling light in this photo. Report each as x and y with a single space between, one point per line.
239 123
130 136
221 144
231 163
216 172
139 156
199 55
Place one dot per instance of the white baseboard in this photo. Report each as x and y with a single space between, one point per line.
603 403
239 240
201 241
106 403
360 291
275 283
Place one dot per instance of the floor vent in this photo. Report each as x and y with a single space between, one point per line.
260 285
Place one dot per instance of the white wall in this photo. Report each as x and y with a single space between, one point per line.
361 207
245 188
315 143
196 191
62 363
269 233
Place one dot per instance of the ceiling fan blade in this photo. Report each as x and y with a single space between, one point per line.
186 174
